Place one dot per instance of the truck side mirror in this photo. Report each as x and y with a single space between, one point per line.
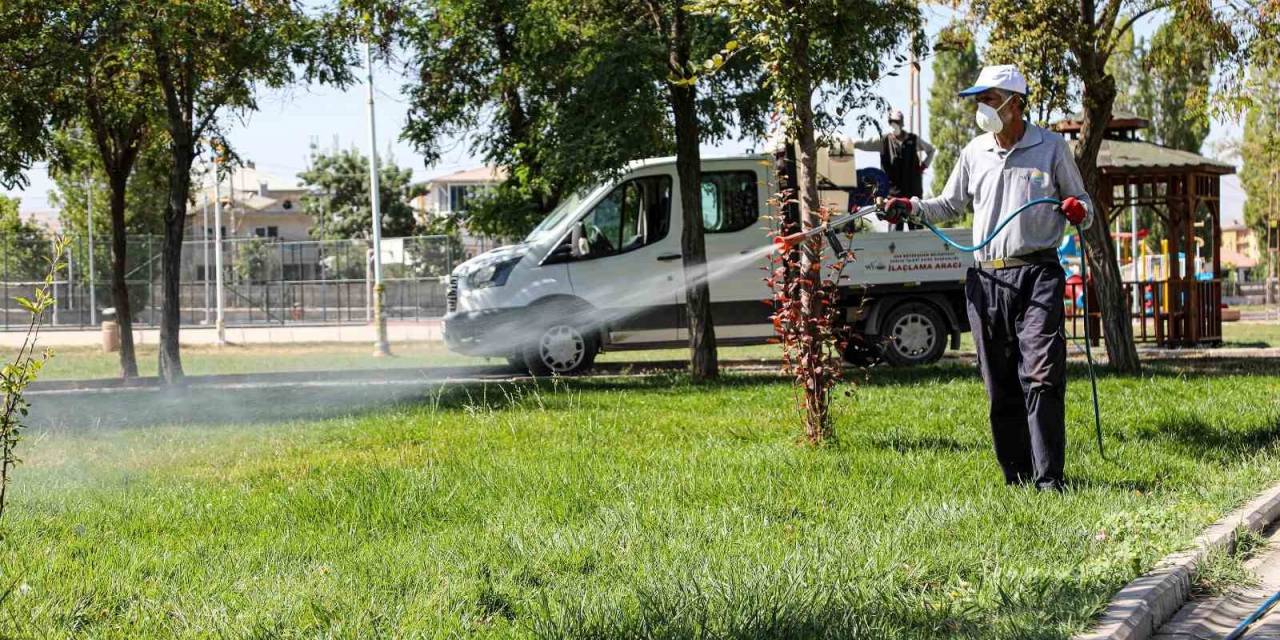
562 253
578 242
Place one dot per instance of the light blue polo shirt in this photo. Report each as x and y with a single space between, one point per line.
999 181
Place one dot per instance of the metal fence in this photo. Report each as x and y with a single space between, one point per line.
265 281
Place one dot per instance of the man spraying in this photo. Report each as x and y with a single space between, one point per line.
1015 293
900 158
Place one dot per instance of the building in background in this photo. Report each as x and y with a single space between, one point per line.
1241 250
448 196
255 204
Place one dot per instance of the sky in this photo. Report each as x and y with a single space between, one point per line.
278 136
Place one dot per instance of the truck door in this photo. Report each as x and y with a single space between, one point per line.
629 269
731 219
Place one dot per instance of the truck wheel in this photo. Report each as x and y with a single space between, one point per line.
914 334
561 349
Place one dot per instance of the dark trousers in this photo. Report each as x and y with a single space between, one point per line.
1015 315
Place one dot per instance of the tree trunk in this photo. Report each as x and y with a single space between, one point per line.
704 362
175 219
817 423
1098 97
119 288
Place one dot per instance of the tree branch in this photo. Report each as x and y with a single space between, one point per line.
1117 33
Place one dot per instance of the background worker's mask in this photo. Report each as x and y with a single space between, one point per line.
988 117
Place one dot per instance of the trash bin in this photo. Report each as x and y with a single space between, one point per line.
110 331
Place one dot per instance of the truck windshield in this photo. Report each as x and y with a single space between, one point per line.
554 219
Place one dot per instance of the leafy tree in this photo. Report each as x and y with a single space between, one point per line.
1260 150
524 83
1179 67
76 65
80 169
1156 80
822 60
209 57
951 123
24 246
338 197
257 261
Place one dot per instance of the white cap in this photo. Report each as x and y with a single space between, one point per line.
895 115
998 76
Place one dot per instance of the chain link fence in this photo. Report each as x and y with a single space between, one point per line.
265 281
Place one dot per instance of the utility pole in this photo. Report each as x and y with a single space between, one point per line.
916 117
88 212
380 345
219 319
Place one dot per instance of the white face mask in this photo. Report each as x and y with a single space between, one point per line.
988 117
896 128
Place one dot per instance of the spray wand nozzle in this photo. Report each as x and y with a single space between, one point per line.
829 228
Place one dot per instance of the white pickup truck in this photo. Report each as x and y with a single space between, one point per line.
604 271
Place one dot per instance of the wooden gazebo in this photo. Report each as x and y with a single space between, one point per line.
1175 287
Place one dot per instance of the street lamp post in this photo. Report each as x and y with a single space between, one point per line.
204 243
380 345
93 295
219 318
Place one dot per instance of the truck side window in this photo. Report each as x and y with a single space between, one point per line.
635 214
729 201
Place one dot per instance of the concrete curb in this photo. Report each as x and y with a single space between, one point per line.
1137 610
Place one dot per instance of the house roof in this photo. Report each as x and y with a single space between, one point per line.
248 178
258 202
1135 156
477 175
244 183
1231 257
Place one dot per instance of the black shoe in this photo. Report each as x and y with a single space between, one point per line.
1050 485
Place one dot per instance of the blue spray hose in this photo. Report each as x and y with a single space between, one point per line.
1238 632
1084 279
1000 227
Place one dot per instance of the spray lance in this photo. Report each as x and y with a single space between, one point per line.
830 228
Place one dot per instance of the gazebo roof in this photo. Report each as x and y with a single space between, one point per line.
1120 121
1135 156
1123 153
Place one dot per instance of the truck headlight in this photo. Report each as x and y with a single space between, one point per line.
492 275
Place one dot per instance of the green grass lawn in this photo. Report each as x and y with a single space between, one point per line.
1251 334
88 362
597 508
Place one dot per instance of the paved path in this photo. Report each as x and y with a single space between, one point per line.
1215 617
276 334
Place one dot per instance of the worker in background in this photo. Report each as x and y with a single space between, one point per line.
900 157
1015 291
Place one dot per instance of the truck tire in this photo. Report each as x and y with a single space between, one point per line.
914 334
562 348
